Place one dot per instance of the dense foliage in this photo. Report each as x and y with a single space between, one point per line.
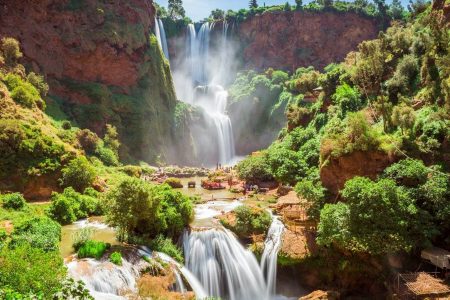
390 97
142 209
250 220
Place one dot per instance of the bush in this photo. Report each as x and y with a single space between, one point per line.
39 83
93 249
13 201
88 140
79 174
26 269
39 232
106 155
407 172
377 218
251 220
10 49
70 206
80 237
165 245
174 183
138 208
254 169
116 258
314 193
66 125
348 99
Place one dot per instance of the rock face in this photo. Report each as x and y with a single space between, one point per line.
321 295
288 40
102 65
337 171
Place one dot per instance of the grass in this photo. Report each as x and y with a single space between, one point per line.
93 249
116 258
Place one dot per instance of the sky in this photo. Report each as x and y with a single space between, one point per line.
199 9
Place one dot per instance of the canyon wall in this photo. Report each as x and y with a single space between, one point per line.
102 65
288 40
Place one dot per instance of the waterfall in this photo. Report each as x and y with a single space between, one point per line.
272 245
105 280
222 265
207 92
161 36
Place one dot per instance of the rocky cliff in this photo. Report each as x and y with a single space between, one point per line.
288 40
102 64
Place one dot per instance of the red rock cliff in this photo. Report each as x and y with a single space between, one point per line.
289 40
101 64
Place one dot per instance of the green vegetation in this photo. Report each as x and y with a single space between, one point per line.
116 258
92 249
165 245
250 220
174 183
137 208
13 201
389 97
78 173
70 205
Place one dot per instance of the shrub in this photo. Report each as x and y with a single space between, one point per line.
27 268
66 125
13 201
254 168
407 172
78 173
139 208
286 165
111 139
314 193
10 49
39 232
165 245
377 218
39 83
174 183
133 171
348 99
106 155
88 140
93 249
70 206
80 237
251 220
116 258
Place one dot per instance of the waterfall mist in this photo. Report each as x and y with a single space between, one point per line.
202 70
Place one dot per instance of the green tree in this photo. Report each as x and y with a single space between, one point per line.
298 4
111 139
217 14
79 174
253 4
176 9
137 208
10 49
348 99
396 9
404 117
30 269
377 218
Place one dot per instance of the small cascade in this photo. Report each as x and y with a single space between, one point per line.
222 265
105 280
272 245
161 36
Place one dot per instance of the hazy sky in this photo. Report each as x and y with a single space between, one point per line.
199 9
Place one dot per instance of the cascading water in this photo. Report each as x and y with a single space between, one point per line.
161 36
224 268
270 255
207 91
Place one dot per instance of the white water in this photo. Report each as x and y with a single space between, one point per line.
103 279
161 36
205 76
272 246
223 266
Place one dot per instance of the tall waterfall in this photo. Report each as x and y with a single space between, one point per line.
269 258
206 72
161 36
224 268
